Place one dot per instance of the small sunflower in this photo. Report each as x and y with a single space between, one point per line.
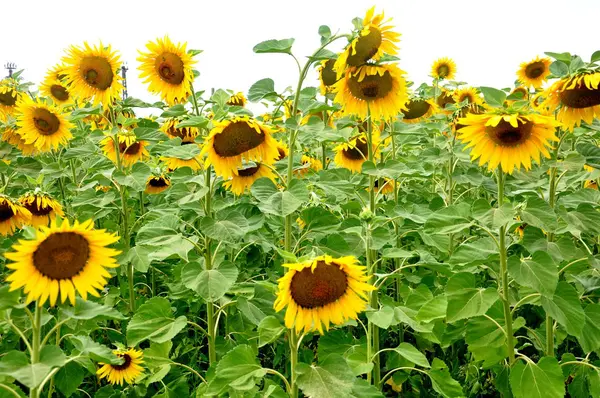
103 122
353 154
468 94
591 184
507 139
322 291
446 97
12 216
378 88
387 186
127 372
283 151
308 164
130 150
578 97
55 86
42 207
92 72
534 72
327 76
443 68
103 188
522 92
245 177
62 259
187 134
157 184
301 223
237 100
168 70
42 125
9 97
237 139
418 110
12 136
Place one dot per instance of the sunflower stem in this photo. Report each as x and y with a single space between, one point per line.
504 273
293 341
35 344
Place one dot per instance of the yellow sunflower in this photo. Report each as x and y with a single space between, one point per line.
9 97
103 188
387 186
308 164
12 136
327 76
130 150
12 216
591 184
322 291
127 372
103 122
55 86
443 68
93 72
42 207
418 110
168 70
375 39
187 134
62 259
42 125
353 154
378 88
174 163
283 151
245 177
237 100
507 139
578 97
468 94
157 184
520 91
534 72
444 98
237 139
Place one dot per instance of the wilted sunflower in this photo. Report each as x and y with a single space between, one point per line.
443 68
42 125
327 76
418 110
322 291
192 161
468 94
534 72
446 97
157 184
62 259
308 164
507 139
42 207
246 176
578 97
12 216
187 134
9 97
353 154
167 67
92 72
237 100
130 150
237 139
378 88
127 372
374 39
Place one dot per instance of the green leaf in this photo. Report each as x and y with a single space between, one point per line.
541 380
136 178
211 284
433 309
262 89
274 46
409 352
332 378
390 169
269 330
565 57
591 153
595 56
590 334
89 310
238 369
362 389
149 134
8 299
84 345
576 64
324 32
565 307
139 257
286 202
193 121
466 301
319 219
16 364
539 214
157 354
231 228
174 111
447 220
442 382
154 321
69 378
539 272
559 68
184 152
493 96
382 318
81 152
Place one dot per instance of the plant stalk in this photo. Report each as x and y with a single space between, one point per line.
35 344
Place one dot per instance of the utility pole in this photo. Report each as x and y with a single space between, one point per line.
10 66
124 70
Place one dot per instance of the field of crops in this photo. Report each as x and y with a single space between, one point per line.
371 237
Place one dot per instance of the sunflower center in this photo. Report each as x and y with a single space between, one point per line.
7 99
248 171
169 67
38 210
443 70
131 149
45 121
416 109
359 152
504 134
372 87
580 97
325 285
281 153
61 255
366 47
6 212
535 70
59 92
444 99
328 75
125 364
97 72
158 182
237 138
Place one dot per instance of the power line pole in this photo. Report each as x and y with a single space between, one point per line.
124 70
10 66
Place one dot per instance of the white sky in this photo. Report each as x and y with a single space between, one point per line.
487 39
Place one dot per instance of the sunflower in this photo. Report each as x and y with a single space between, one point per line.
174 163
301 223
387 186
591 184
42 207
308 164
167 67
12 216
468 94
62 259
246 176
12 136
237 100
375 39
578 97
42 125
534 72
239 138
327 76
378 88
103 122
507 139
322 291
521 92
282 149
187 134
9 97
443 68
446 97
103 188
157 184
55 86
418 110
92 72
353 154
130 150
127 372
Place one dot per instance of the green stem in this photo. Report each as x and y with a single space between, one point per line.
210 308
35 344
293 340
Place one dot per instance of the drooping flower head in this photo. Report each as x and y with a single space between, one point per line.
42 207
12 216
130 149
246 176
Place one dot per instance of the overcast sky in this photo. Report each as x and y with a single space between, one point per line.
487 39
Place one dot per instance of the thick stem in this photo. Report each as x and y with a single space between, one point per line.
210 307
35 344
293 340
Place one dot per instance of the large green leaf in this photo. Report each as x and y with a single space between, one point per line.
69 378
541 380
565 307
84 345
8 299
211 284
274 46
447 220
590 334
269 330
332 378
382 318
16 364
465 300
154 321
238 369
493 96
262 89
433 309
85 310
539 272
539 214
283 203
410 353
590 151
442 381
136 178
230 228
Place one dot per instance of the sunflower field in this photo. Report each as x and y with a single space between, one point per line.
370 237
